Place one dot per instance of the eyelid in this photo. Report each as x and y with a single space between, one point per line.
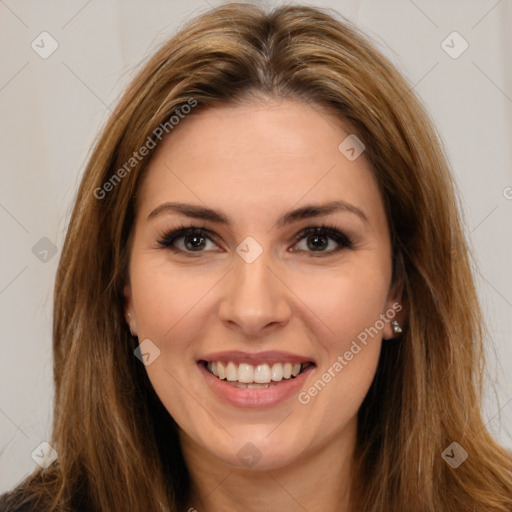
330 231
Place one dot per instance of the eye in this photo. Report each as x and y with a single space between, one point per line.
183 239
322 240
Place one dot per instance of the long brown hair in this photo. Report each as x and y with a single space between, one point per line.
117 445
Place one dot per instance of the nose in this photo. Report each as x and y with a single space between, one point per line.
255 301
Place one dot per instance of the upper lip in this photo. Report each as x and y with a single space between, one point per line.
273 356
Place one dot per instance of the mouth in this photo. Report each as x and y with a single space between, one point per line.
255 380
256 376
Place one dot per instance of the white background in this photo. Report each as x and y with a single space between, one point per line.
52 109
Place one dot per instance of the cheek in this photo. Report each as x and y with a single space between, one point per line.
345 301
169 303
164 295
349 330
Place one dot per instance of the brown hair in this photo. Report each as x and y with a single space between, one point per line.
117 445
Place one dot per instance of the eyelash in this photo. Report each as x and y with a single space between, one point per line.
167 239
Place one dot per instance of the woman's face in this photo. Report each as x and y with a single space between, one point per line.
263 290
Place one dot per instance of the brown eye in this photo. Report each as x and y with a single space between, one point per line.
194 242
186 240
323 240
317 242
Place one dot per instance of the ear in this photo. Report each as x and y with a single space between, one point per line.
396 311
129 312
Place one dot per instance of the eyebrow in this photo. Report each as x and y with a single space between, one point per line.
304 212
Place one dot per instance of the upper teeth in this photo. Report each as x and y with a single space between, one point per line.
248 373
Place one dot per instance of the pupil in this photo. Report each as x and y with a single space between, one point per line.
318 242
195 242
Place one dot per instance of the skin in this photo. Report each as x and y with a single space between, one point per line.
255 162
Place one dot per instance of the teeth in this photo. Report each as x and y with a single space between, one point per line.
245 373
277 372
221 371
231 372
262 373
248 376
251 386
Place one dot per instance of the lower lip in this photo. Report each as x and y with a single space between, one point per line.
255 398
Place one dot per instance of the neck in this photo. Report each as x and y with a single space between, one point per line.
318 481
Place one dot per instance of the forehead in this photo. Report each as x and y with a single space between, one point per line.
258 158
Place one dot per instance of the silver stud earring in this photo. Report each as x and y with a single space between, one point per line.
397 329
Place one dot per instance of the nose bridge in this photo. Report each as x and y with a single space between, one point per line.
253 277
255 298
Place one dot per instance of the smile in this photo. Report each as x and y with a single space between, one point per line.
255 380
249 376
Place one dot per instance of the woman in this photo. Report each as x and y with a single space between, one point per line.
264 300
